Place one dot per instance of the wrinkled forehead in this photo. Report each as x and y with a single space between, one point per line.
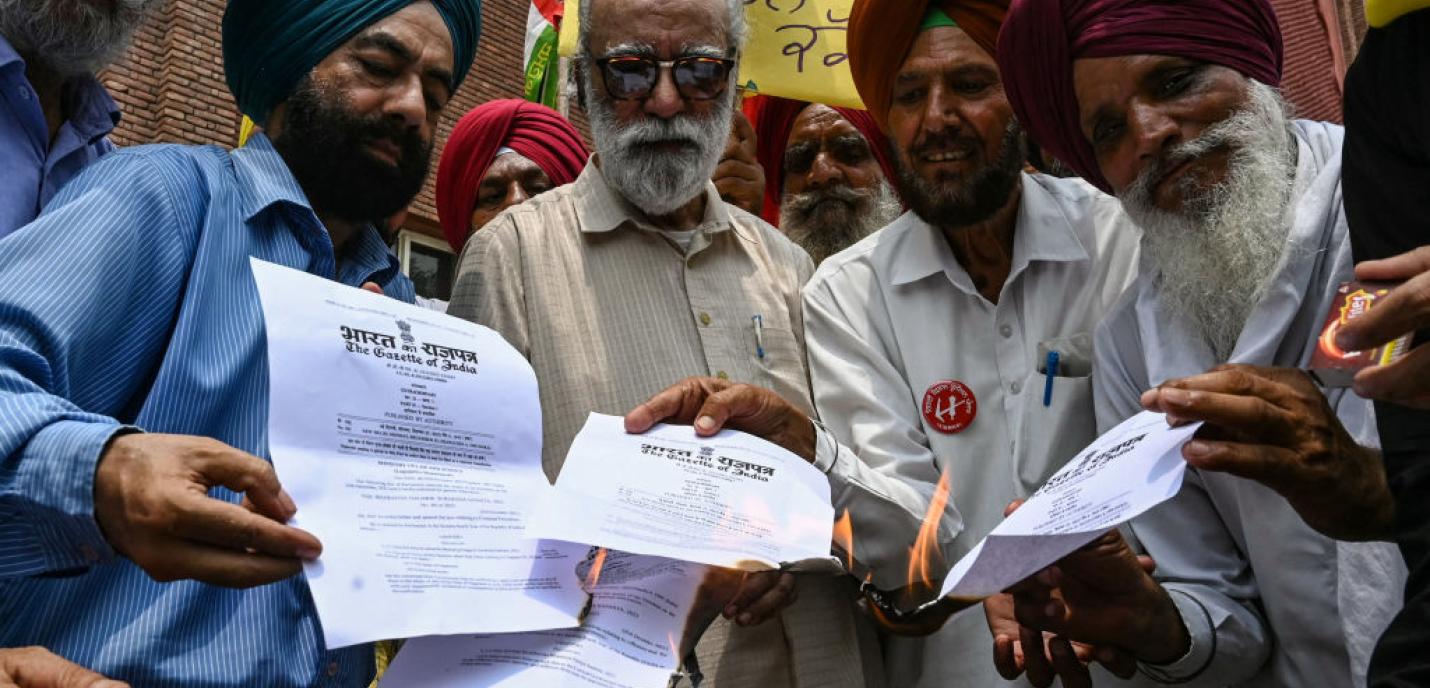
818 122
941 50
667 28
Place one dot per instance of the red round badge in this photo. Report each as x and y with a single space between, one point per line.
949 406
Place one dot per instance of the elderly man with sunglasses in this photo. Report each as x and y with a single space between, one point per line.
637 275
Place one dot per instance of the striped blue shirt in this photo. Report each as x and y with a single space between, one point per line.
129 302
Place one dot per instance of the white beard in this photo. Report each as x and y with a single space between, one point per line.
659 183
824 230
1218 255
71 37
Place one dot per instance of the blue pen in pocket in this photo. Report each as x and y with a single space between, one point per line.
759 336
1051 374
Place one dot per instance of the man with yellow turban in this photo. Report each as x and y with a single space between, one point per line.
142 528
1269 564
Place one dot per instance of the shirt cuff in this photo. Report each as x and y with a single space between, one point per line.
59 509
1202 646
826 448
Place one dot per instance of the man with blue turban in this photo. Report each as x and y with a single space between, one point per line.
133 376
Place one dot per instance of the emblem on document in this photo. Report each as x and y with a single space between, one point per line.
949 406
406 328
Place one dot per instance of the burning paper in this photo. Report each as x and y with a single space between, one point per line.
1130 469
731 500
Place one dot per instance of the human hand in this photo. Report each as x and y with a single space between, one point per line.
710 405
762 595
36 667
739 178
1407 309
151 501
1273 425
1102 595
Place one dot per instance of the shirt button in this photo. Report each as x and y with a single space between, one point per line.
705 319
722 375
1006 331
1016 387
332 668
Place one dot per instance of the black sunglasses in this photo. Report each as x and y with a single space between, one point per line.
632 77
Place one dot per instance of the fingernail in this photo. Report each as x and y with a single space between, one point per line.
705 424
1347 341
309 554
745 619
1176 397
1198 448
730 611
288 503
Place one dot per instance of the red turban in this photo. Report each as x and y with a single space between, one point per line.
1042 38
773 118
882 31
535 131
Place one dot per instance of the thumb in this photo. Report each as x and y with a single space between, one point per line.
373 287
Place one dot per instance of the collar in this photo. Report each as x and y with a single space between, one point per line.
599 208
264 179
1042 233
93 112
368 259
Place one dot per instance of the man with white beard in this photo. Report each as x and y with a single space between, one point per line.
58 114
1244 246
637 275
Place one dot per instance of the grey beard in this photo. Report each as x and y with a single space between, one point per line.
827 221
658 182
1218 255
71 37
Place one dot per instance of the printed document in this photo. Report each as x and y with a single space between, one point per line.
731 500
1130 469
642 620
411 443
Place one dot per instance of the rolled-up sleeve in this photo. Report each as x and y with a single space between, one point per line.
885 482
1198 561
90 293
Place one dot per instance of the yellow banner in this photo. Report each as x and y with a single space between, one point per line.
796 49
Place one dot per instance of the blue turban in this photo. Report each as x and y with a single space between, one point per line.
270 45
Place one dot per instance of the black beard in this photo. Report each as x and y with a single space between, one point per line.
324 145
950 203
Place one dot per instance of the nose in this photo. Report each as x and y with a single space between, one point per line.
824 172
515 195
664 100
941 112
1152 131
406 103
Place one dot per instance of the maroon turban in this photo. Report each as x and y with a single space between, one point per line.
535 131
1042 38
773 118
881 32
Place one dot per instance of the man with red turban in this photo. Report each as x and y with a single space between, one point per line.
828 175
929 340
500 154
1172 106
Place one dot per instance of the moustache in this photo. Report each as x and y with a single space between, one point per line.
378 129
946 141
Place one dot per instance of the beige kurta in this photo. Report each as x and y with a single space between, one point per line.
610 311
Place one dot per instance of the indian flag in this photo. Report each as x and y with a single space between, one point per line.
542 75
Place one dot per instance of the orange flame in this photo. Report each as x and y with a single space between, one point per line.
844 538
595 574
922 555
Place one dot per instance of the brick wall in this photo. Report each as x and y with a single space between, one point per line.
170 83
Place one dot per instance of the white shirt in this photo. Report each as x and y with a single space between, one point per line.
895 314
1268 601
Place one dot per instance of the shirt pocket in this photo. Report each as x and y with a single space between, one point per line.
1055 433
782 368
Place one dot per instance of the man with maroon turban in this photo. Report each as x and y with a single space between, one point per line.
1172 106
828 175
500 154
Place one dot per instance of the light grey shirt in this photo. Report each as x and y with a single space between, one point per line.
610 311
896 314
1268 601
